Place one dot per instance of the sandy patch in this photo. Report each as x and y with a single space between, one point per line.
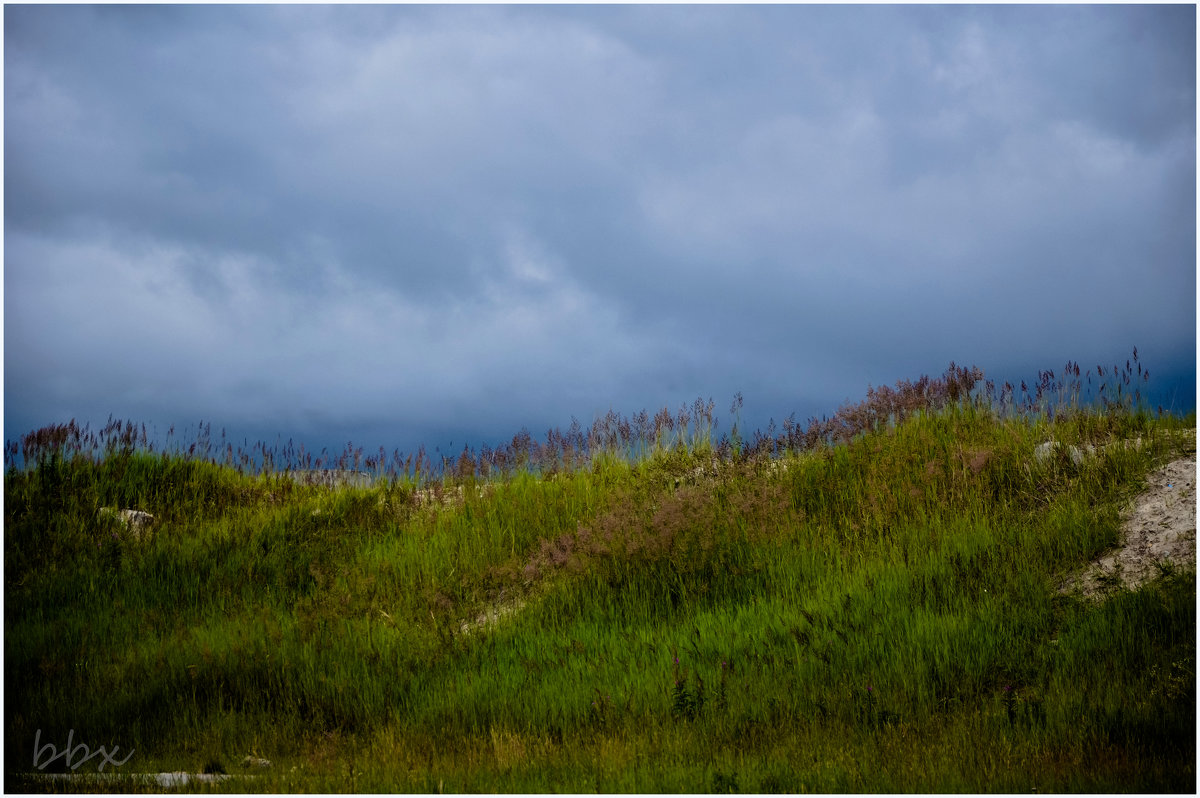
1158 533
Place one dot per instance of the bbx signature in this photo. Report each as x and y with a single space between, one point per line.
70 751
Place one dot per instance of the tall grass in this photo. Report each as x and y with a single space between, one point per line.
866 603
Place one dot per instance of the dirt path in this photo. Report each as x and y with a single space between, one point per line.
1158 532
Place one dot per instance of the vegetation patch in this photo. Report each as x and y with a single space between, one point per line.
865 603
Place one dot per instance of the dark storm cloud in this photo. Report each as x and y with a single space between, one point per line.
454 221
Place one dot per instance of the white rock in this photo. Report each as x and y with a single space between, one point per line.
1045 451
136 521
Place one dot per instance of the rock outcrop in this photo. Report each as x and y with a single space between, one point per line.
136 521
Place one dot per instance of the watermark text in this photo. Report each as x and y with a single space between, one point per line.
73 755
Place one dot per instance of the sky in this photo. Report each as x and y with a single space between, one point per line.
405 225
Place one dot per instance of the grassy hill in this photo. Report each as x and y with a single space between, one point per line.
867 603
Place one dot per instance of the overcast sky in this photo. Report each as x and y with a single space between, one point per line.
404 225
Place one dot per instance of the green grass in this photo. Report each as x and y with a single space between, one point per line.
875 612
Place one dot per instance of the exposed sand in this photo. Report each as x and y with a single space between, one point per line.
1158 532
